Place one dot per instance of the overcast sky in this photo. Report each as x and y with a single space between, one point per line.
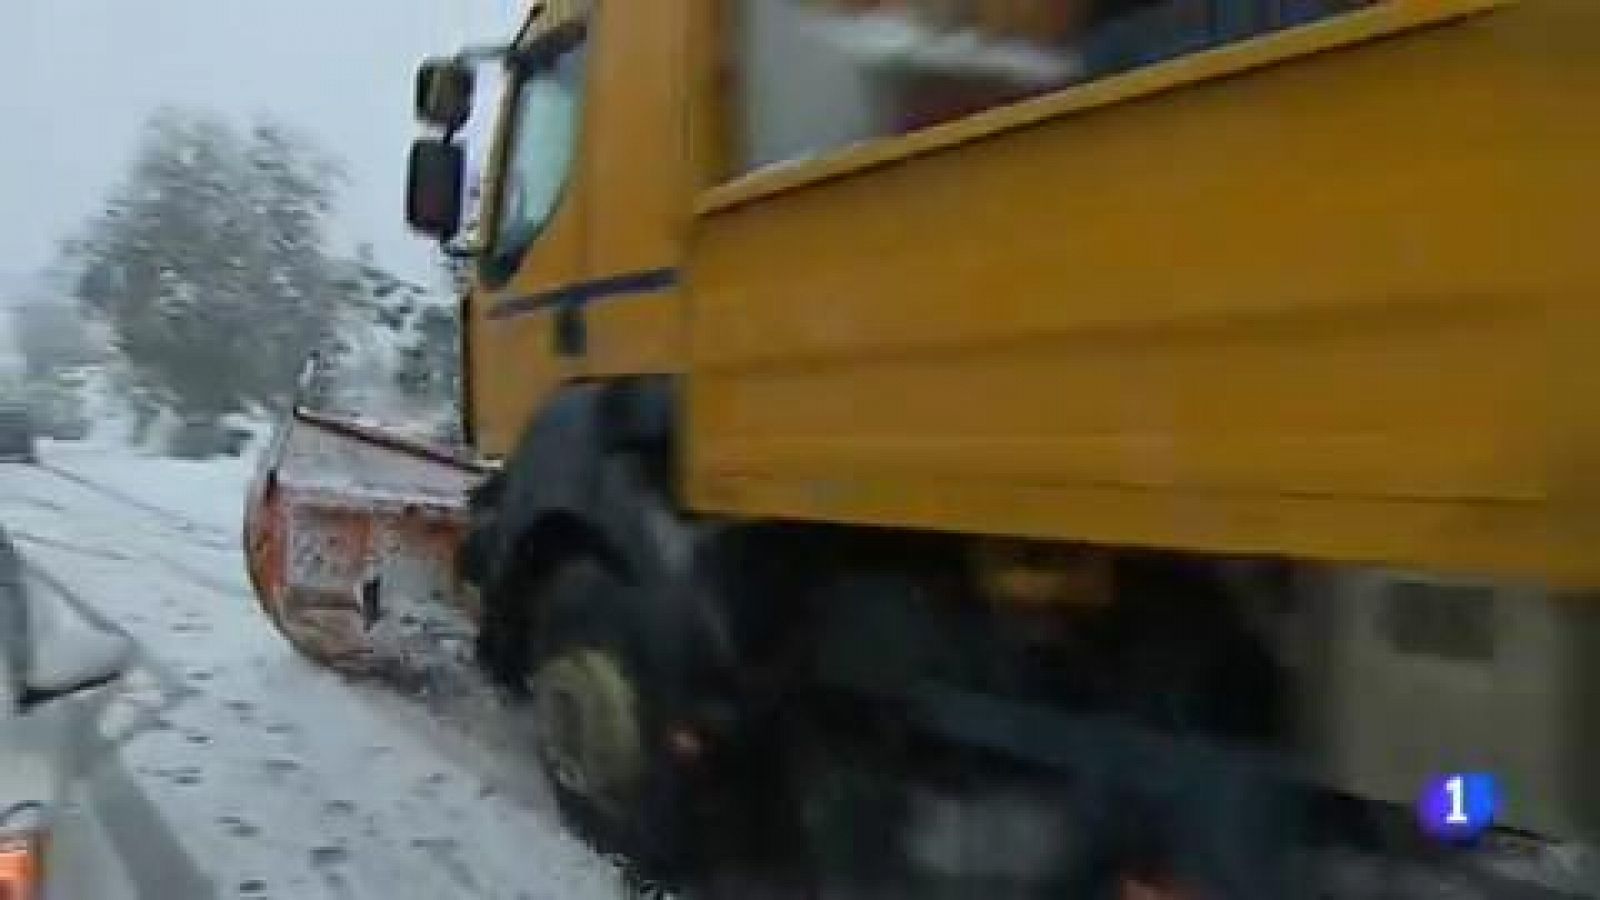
81 76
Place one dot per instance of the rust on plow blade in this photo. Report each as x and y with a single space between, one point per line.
350 533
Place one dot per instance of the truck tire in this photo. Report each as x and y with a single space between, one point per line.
601 682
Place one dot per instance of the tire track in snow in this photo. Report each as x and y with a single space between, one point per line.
157 541
176 520
146 671
29 537
189 573
144 840
155 858
183 524
204 579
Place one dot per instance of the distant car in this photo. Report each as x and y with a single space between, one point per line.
17 440
69 429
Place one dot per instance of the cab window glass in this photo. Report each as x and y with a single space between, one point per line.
540 149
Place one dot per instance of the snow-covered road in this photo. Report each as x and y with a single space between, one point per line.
278 778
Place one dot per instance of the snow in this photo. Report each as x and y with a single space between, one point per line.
894 38
279 777
68 653
206 495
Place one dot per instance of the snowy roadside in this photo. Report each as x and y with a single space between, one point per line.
116 843
279 777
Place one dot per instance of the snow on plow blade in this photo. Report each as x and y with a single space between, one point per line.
350 537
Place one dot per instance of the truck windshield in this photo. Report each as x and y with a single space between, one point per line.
541 143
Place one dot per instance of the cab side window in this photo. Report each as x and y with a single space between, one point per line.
540 146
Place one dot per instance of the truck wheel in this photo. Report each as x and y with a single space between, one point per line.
600 686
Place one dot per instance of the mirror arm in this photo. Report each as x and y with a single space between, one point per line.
458 249
484 53
535 13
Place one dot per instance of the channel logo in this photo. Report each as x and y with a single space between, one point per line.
1459 807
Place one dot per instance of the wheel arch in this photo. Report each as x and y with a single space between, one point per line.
555 481
583 469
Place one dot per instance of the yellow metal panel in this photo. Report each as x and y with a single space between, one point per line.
636 155
514 372
712 89
637 335
1340 307
1384 18
637 163
1479 538
516 368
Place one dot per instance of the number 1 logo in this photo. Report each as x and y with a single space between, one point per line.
1456 787
1459 806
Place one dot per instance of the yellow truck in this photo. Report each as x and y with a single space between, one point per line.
1143 419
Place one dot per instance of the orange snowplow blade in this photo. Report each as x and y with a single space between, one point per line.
348 526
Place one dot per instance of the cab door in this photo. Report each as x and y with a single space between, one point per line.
533 245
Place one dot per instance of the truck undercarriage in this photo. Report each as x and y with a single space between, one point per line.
871 714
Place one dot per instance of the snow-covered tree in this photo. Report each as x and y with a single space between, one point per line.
398 339
51 335
208 264
430 367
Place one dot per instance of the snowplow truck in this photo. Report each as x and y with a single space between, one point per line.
1073 443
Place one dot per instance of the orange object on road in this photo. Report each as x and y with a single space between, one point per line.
21 866
347 525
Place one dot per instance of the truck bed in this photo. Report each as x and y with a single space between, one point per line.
1330 293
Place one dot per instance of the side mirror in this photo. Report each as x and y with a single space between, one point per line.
72 661
444 92
46 651
434 179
